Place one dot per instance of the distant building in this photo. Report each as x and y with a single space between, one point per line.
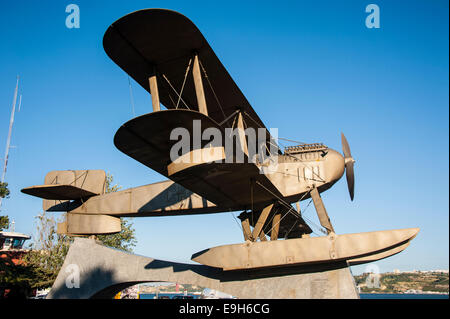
12 252
441 271
11 245
129 293
12 240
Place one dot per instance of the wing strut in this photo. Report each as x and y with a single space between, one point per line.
275 226
200 93
258 231
260 223
154 90
245 226
321 211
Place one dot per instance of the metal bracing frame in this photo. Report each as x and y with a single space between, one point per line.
321 211
246 229
241 131
257 230
275 226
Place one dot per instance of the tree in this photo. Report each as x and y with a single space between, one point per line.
39 266
125 240
109 187
49 249
4 222
4 191
13 277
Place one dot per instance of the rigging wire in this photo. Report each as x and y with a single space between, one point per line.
270 141
235 219
270 221
176 92
226 120
296 159
184 82
131 96
291 210
251 197
277 147
319 228
307 219
290 207
212 89
285 139
290 229
232 126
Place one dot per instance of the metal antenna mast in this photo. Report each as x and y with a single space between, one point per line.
8 140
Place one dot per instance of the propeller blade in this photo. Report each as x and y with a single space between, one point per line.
349 161
345 146
350 179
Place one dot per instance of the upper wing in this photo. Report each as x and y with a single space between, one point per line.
167 40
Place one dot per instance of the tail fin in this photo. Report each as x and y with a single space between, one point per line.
65 190
60 187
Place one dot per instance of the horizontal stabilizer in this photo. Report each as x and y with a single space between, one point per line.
61 187
59 192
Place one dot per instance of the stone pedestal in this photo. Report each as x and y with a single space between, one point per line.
92 270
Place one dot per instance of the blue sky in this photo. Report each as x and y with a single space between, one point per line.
309 68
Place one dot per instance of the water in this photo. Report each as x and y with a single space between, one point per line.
170 296
363 296
402 296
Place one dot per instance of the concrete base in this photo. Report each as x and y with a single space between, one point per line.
101 272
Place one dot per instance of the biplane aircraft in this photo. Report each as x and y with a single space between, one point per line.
167 55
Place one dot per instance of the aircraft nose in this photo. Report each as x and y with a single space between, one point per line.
334 165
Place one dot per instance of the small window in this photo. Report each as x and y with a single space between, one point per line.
7 243
17 243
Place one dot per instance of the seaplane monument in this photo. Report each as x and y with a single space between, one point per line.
218 157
